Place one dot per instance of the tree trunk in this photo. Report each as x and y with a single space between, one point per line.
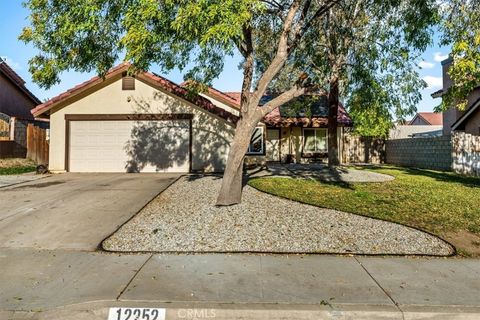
333 97
231 189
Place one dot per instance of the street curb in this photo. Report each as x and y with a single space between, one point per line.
196 310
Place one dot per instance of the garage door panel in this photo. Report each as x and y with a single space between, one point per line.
129 146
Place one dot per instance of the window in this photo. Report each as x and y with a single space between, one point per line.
256 145
315 140
128 83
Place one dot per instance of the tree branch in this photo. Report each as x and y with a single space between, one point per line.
302 27
280 57
280 100
248 69
302 86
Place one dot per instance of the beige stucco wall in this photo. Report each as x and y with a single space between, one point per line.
211 135
292 143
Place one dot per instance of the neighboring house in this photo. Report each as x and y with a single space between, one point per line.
15 99
147 123
427 119
423 125
414 131
467 121
16 102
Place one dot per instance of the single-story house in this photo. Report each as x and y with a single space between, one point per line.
146 123
16 103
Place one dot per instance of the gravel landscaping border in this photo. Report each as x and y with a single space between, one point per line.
184 219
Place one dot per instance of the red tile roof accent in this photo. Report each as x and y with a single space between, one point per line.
44 107
274 118
432 118
235 95
163 83
219 95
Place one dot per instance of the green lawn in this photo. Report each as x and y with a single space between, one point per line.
16 166
445 204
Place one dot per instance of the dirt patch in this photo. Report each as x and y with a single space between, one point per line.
15 162
468 241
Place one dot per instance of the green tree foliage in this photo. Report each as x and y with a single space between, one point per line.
373 48
194 35
371 45
461 29
93 34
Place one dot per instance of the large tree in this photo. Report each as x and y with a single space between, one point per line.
92 35
367 54
194 35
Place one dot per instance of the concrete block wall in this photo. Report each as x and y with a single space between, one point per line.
428 153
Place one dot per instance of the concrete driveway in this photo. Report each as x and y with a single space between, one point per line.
73 211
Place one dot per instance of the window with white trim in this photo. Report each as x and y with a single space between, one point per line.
257 143
314 140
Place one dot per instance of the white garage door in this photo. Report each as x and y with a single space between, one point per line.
129 146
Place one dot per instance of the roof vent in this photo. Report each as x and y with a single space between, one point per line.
128 83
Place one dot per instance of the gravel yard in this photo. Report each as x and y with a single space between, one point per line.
184 219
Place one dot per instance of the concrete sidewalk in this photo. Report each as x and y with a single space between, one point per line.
64 284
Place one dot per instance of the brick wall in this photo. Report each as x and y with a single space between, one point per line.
466 154
428 153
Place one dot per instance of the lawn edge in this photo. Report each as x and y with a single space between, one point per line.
101 248
453 254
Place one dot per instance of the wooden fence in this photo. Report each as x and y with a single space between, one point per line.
37 144
358 149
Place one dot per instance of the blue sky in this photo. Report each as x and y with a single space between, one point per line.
13 17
